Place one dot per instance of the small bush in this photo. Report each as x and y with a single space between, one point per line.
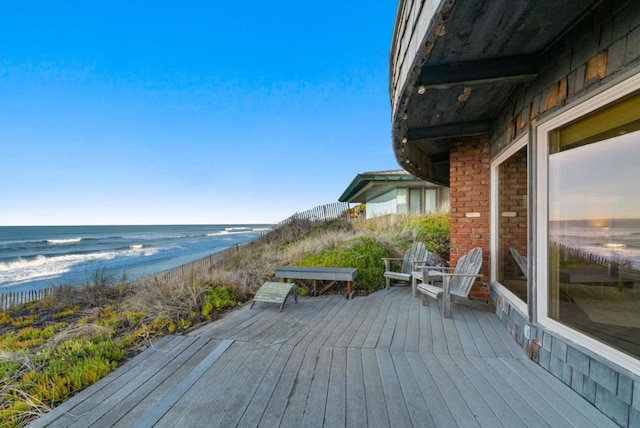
364 253
219 299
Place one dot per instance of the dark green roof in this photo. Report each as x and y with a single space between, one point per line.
383 181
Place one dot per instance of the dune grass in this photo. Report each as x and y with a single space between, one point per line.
53 348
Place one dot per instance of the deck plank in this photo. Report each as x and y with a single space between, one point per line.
228 408
439 344
145 358
377 415
452 396
336 408
145 397
356 400
363 330
477 333
187 411
155 413
317 324
371 340
466 336
256 408
274 410
435 401
318 390
378 360
113 393
481 409
351 330
341 323
415 401
412 342
513 349
399 338
524 389
524 410
390 327
396 407
571 406
297 402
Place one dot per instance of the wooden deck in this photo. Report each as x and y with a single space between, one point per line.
380 361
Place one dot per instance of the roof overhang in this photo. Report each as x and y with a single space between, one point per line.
369 185
472 57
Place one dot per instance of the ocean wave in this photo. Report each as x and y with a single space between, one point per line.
40 267
63 241
230 231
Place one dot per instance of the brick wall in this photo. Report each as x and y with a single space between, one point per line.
469 173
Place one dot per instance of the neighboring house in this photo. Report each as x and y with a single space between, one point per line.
530 112
395 192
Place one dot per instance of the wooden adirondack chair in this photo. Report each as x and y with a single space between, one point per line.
521 260
456 283
416 254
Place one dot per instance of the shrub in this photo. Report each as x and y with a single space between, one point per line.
219 299
364 253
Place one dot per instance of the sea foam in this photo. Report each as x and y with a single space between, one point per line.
64 241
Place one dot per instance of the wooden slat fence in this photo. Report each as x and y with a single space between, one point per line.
15 298
307 218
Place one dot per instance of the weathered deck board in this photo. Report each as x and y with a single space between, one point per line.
145 397
572 407
115 392
318 390
382 360
481 409
377 415
157 411
374 332
413 397
524 410
349 333
184 412
297 402
335 415
286 383
434 400
356 403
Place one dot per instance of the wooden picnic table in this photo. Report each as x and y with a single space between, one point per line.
327 276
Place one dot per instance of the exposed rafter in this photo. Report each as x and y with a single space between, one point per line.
512 69
451 130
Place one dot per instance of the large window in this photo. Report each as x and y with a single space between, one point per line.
509 190
591 230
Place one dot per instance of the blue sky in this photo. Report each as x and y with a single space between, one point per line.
181 112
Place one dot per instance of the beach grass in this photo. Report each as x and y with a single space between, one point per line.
53 348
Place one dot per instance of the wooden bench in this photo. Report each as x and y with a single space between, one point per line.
275 292
326 276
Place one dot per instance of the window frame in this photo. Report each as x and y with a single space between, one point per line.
514 300
597 101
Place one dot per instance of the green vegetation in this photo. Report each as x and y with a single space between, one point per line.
53 348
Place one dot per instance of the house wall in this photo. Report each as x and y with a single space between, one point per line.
469 211
382 205
602 49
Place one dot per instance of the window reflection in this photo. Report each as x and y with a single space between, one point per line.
594 233
512 223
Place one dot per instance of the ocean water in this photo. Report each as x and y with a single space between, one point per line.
612 239
33 257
